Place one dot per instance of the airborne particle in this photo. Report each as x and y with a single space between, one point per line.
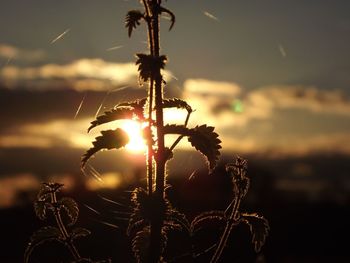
211 16
282 50
60 36
113 48
81 104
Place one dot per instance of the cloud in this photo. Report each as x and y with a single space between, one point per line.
216 101
299 97
252 120
12 52
50 134
12 185
81 74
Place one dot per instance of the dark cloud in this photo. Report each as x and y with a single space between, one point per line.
21 106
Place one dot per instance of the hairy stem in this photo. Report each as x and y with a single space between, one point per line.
62 228
156 224
232 221
172 147
150 152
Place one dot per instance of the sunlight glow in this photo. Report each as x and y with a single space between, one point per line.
134 130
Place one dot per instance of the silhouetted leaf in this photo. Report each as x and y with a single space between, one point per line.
79 232
40 209
141 242
207 217
124 110
135 224
176 103
71 208
202 138
238 172
171 14
132 20
138 106
113 115
178 218
148 64
44 234
44 193
110 139
259 227
46 189
205 140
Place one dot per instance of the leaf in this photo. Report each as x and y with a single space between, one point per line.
205 217
238 172
44 234
171 14
44 193
176 129
124 110
134 225
176 103
110 139
202 138
71 208
40 209
148 65
79 232
137 105
132 20
205 140
113 115
141 242
259 227
175 216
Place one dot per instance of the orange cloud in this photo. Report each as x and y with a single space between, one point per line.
82 74
12 52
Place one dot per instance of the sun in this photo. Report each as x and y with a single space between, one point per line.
134 130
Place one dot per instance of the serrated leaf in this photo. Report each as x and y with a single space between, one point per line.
112 115
40 209
176 129
259 227
132 20
205 140
135 223
141 242
110 139
79 232
44 193
202 138
148 64
138 106
44 234
176 103
71 207
124 110
210 216
178 218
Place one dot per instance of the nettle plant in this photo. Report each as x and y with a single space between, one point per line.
153 215
65 212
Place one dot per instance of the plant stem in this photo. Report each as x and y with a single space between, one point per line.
229 225
63 229
150 152
152 9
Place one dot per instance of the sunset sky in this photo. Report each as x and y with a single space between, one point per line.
272 76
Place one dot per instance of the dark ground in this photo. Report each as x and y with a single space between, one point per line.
303 228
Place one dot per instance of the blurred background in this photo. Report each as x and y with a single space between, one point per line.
272 76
